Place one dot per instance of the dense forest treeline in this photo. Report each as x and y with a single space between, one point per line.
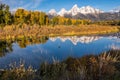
22 16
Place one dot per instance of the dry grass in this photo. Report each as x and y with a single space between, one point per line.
109 58
18 73
14 31
89 67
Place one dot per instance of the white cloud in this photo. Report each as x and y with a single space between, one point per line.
37 3
26 4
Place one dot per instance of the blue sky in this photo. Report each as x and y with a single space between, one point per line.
46 5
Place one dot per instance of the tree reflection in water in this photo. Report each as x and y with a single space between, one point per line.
6 45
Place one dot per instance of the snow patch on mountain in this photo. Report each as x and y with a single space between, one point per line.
89 10
116 10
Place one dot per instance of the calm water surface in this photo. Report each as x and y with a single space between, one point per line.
55 48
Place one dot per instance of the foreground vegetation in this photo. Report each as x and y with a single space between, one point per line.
104 66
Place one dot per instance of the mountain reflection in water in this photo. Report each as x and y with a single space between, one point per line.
34 51
75 39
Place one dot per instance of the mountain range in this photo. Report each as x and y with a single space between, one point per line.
86 12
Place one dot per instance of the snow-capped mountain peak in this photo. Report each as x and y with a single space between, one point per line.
75 6
52 12
89 10
74 10
62 12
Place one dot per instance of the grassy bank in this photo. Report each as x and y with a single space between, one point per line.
17 31
91 67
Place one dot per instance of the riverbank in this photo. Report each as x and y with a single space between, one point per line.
15 31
